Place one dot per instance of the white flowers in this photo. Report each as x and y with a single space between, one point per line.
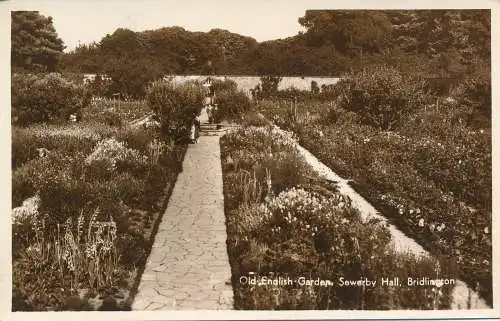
301 210
155 149
421 222
27 211
111 150
441 227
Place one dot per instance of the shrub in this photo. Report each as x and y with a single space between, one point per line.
231 104
111 118
26 142
23 182
176 106
314 87
268 87
24 147
476 92
252 118
139 138
381 96
224 85
130 189
43 98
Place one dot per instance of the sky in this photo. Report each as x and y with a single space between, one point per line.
85 21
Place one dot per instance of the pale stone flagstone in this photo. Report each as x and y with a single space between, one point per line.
188 267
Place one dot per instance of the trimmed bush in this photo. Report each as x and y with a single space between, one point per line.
176 106
44 98
231 104
382 96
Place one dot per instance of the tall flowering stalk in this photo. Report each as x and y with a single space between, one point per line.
90 258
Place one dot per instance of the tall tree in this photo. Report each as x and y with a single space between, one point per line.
35 44
348 30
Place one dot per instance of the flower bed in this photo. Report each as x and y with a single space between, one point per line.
434 183
84 234
115 112
285 223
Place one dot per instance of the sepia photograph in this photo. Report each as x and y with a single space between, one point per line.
260 156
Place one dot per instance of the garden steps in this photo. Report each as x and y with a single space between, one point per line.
207 129
188 267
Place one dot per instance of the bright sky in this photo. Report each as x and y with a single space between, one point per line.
90 20
87 21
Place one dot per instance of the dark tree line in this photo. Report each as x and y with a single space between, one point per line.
335 41
431 43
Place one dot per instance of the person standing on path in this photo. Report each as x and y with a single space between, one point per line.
195 130
210 113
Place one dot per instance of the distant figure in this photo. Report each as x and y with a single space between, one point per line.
195 130
214 112
210 111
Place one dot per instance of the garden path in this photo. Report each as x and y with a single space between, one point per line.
188 267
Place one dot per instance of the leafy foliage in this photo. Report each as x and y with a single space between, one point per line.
35 45
432 175
476 92
381 96
306 228
439 43
231 102
44 98
87 208
176 106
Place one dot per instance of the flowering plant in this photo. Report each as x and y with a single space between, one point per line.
112 152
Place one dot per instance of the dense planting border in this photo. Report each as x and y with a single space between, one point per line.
389 211
250 249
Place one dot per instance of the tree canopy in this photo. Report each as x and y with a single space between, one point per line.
35 44
443 42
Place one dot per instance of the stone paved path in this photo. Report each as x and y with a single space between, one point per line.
188 267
